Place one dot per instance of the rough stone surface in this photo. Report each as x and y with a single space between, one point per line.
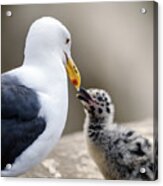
70 158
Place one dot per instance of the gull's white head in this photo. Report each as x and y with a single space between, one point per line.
46 36
47 40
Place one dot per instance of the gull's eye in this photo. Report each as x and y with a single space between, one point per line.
67 40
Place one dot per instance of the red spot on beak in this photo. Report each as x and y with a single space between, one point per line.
75 82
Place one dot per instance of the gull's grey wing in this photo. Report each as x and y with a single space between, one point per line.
20 123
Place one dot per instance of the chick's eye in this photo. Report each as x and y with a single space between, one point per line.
67 40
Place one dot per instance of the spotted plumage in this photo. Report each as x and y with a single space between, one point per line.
119 152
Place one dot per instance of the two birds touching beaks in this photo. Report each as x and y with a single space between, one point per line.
35 105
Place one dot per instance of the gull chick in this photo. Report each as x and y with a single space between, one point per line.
120 153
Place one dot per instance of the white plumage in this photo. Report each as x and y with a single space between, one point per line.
43 71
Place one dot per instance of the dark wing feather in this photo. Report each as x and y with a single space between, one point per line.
20 122
17 136
17 101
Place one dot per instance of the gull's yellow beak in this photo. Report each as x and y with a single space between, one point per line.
73 73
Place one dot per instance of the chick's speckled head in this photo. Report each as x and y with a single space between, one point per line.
96 102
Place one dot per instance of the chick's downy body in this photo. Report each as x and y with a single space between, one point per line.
119 152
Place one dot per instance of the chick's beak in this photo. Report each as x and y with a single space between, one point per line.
73 72
83 95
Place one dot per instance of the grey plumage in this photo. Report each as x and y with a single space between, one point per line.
119 152
20 123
